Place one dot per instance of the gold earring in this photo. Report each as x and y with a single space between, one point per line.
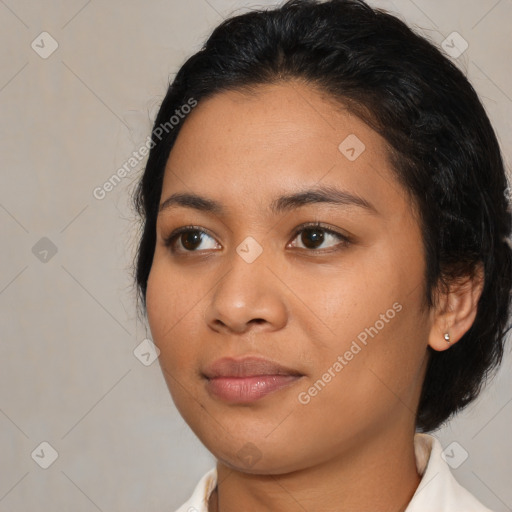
447 337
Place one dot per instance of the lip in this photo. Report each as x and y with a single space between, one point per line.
246 367
247 380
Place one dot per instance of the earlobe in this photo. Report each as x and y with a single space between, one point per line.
440 342
456 310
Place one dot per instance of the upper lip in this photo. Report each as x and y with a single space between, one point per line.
246 367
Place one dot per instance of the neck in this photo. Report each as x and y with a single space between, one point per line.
379 474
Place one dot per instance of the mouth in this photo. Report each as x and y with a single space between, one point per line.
247 380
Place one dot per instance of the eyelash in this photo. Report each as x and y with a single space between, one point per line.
345 241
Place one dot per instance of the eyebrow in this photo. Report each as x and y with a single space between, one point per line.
321 194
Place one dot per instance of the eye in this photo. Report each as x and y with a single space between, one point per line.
190 239
316 236
313 236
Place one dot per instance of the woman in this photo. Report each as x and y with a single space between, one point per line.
324 260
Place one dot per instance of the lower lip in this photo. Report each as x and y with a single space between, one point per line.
248 389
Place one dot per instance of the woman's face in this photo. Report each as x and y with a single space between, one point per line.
331 315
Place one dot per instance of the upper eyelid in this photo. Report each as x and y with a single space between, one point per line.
169 239
321 226
343 238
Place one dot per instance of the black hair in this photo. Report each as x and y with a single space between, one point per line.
441 143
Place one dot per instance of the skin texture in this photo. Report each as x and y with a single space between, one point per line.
351 446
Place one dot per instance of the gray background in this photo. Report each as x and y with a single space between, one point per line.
68 325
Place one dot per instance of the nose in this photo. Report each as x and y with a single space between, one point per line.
248 297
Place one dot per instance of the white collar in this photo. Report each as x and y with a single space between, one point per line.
438 490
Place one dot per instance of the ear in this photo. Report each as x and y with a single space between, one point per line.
456 310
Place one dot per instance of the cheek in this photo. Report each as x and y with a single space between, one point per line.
173 312
371 317
385 357
337 303
174 318
159 304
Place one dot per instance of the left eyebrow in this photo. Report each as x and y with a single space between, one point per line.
320 194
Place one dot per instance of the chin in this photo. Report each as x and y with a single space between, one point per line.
250 459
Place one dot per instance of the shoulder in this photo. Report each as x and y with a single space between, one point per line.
438 489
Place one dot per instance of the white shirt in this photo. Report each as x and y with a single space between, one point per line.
438 490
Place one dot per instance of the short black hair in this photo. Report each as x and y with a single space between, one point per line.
441 143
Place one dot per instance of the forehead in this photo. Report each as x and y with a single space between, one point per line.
250 144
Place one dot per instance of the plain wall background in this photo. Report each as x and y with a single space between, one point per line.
68 326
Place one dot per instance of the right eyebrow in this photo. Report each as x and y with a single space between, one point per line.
195 201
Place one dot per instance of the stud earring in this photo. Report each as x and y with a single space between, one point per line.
447 337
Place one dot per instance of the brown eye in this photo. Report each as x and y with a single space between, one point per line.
312 237
190 239
318 237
